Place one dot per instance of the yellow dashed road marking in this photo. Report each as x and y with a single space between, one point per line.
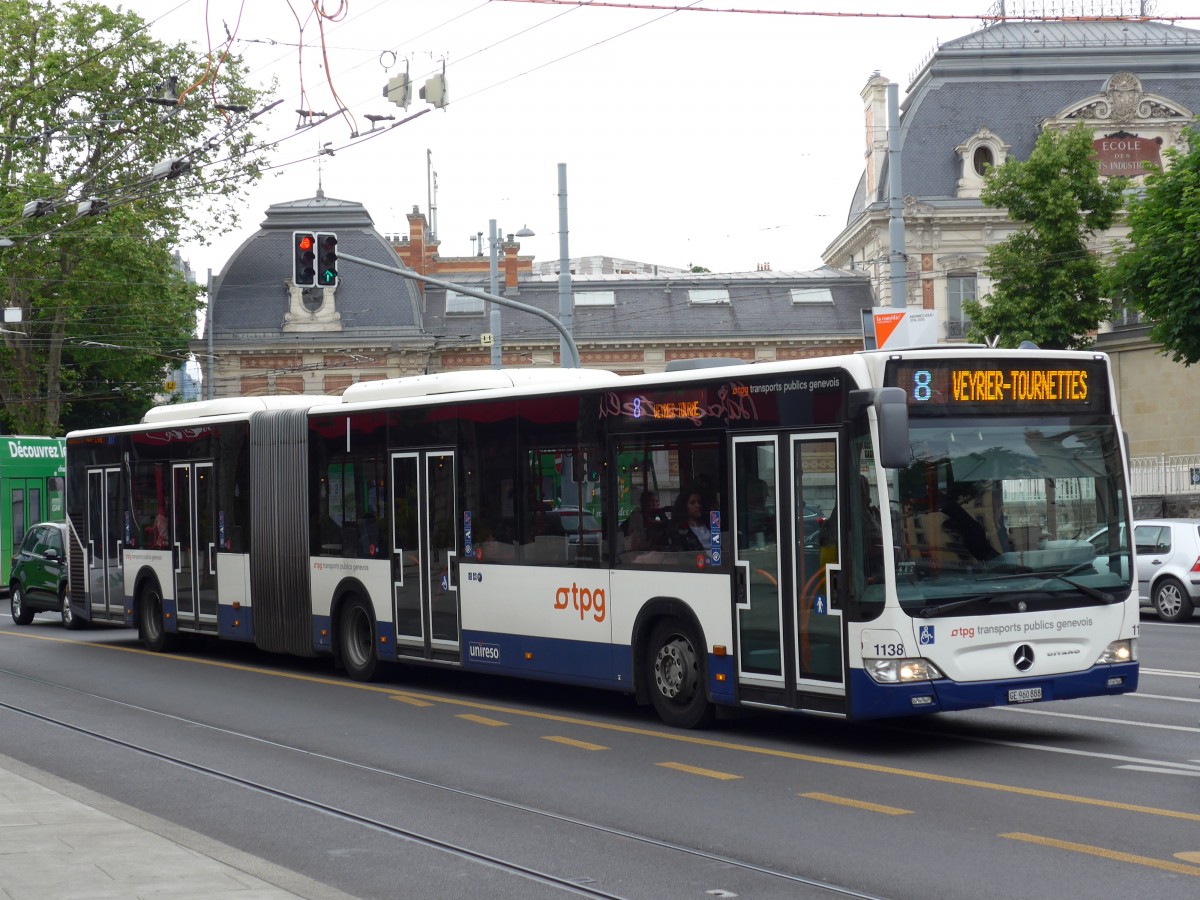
482 720
1115 855
571 742
696 770
411 701
858 804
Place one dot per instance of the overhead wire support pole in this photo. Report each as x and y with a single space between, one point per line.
481 295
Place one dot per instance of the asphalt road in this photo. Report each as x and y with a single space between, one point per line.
435 783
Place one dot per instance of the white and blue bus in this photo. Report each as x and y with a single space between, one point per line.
871 535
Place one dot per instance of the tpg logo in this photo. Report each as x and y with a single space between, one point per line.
583 599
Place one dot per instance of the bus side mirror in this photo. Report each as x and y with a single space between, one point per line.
891 409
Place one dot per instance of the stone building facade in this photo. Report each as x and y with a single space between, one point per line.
985 98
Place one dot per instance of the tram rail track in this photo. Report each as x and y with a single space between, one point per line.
569 886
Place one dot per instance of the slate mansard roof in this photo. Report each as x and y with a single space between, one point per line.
761 305
1011 76
250 298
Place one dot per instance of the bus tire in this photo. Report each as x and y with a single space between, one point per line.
21 614
1172 601
151 625
70 621
356 640
675 676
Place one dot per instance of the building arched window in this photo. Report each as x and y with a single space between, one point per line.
983 159
981 152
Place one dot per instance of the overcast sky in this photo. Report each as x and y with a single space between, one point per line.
723 139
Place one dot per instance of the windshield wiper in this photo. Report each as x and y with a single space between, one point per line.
1086 589
929 612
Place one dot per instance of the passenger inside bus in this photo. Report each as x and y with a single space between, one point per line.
646 527
691 527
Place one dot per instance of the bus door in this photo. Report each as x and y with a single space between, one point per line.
194 540
104 543
757 547
425 528
816 563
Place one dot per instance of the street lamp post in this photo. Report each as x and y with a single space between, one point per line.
494 289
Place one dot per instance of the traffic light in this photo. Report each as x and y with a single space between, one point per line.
327 259
304 274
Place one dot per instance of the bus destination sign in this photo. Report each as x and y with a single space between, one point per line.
944 387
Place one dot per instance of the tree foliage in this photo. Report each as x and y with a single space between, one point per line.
1159 273
1047 285
104 310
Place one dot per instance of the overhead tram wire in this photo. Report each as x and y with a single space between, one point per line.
833 14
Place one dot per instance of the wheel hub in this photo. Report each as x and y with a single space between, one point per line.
672 669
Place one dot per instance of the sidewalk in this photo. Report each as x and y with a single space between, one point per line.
60 840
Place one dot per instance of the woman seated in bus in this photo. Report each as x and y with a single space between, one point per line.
689 519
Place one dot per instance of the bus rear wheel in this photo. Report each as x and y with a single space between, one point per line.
675 673
356 638
152 626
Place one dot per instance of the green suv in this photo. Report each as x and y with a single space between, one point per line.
39 575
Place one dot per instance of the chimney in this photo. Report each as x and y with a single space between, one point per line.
874 96
510 249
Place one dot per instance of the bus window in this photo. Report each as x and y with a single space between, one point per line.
489 490
866 536
684 513
151 509
565 509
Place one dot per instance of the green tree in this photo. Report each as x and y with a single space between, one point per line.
1047 285
104 312
1159 272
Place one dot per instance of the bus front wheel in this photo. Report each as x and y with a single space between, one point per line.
675 673
356 637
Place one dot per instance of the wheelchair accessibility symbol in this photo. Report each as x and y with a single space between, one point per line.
926 635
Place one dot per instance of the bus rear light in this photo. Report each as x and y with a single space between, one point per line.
901 671
1119 652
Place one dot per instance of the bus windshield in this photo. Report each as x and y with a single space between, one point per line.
996 515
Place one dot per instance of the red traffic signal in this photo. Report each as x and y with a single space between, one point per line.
304 273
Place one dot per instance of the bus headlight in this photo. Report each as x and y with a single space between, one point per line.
1119 652
901 671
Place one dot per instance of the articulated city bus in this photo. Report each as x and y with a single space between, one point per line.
32 475
871 535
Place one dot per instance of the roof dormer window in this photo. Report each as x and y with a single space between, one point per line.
983 159
979 154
